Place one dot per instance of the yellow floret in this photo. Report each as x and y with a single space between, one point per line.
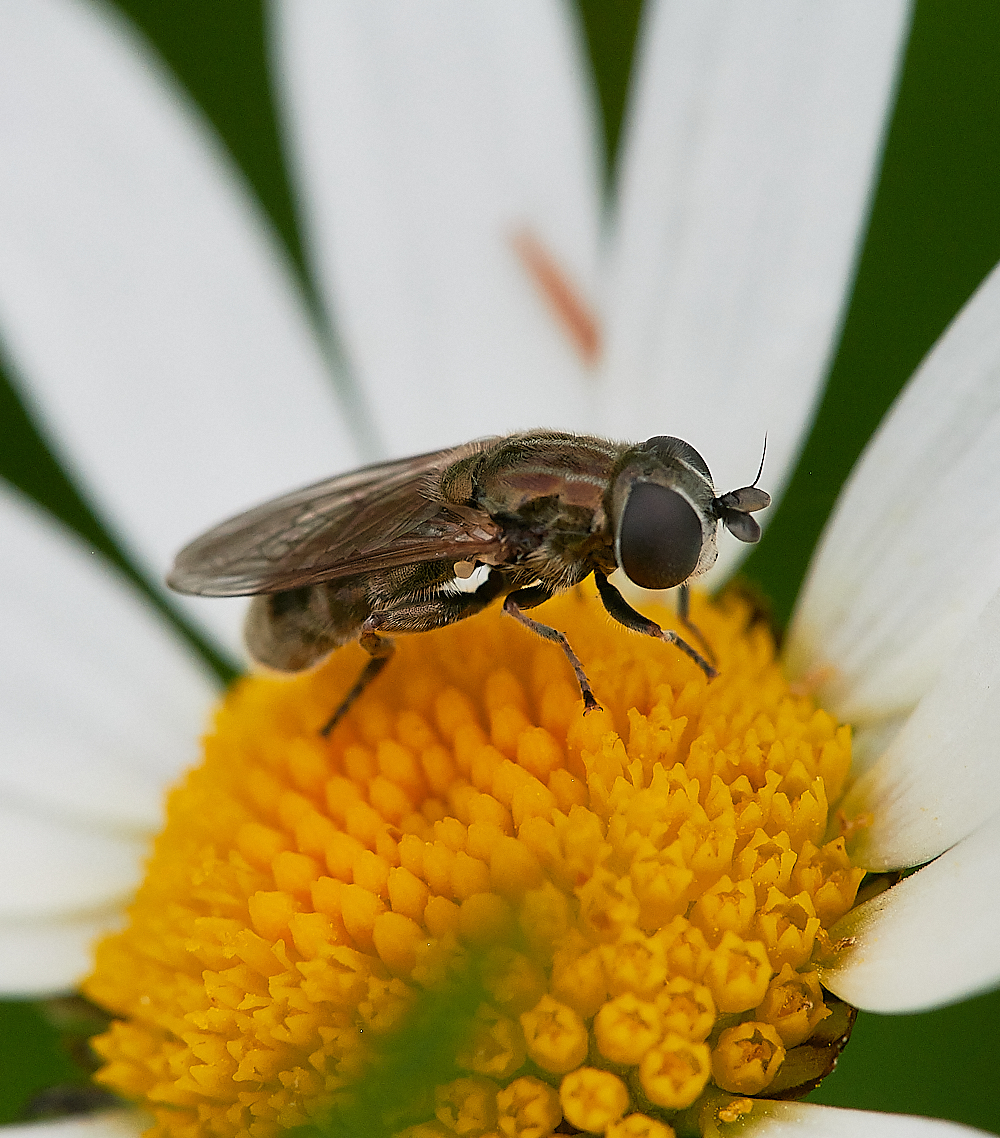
793 1005
639 1126
747 1058
555 1036
674 1073
626 1028
473 910
592 1100
528 1108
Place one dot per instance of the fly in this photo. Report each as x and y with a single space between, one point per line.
419 543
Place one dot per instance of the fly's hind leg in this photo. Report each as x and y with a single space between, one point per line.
623 612
412 613
380 648
534 595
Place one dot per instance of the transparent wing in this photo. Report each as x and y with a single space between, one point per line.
374 518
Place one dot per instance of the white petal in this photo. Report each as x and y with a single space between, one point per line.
50 868
906 563
106 1124
930 940
939 779
811 1120
746 179
145 302
426 137
40 958
101 705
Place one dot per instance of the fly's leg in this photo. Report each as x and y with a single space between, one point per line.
623 612
410 615
526 599
683 609
380 648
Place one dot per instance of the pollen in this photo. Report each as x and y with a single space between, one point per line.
473 910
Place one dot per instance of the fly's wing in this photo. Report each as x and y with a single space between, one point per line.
374 518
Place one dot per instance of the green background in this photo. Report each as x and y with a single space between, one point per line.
934 234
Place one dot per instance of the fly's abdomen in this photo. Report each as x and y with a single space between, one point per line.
298 628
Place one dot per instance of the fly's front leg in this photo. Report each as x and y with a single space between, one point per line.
623 612
683 609
381 649
528 598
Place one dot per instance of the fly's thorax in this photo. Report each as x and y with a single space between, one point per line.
661 505
455 483
508 477
568 557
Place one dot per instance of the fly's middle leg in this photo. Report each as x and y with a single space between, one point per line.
528 598
683 615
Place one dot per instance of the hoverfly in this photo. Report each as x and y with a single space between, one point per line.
418 543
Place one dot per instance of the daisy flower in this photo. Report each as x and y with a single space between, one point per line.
643 902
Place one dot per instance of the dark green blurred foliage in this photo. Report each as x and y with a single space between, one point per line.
610 28
33 1058
219 53
27 463
944 1063
934 234
396 1090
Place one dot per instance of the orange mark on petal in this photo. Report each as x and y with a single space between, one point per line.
574 315
811 682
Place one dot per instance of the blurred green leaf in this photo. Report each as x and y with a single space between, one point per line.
610 28
32 1058
395 1089
27 463
941 1063
219 53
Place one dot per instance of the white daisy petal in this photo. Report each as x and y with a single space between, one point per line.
142 294
905 565
745 184
106 1124
428 137
41 958
930 940
101 704
939 779
50 867
811 1120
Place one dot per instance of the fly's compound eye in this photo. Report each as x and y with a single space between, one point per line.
660 537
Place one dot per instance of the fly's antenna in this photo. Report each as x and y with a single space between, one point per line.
760 469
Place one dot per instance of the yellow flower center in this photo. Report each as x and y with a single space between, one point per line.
475 911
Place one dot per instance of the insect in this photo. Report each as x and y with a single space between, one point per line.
418 543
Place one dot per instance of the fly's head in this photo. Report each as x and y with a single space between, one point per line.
665 513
